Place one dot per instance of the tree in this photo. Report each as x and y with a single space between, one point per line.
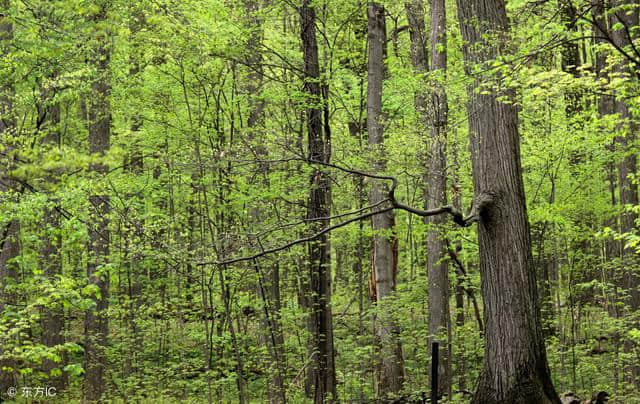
438 270
322 374
96 320
268 287
624 24
515 363
390 374
433 111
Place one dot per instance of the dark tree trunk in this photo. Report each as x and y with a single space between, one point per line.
515 363
53 318
10 231
570 56
390 369
322 374
96 321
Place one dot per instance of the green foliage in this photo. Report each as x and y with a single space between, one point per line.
184 80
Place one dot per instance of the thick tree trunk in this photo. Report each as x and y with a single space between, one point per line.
625 12
627 167
10 231
96 321
390 369
515 363
322 374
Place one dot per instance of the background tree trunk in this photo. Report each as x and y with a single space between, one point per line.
390 372
322 374
515 363
269 283
437 268
96 321
51 261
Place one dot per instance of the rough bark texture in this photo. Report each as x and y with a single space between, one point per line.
515 364
96 320
9 231
625 13
415 16
437 268
627 167
390 369
322 374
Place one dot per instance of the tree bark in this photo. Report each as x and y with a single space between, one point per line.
627 167
53 318
390 369
570 57
433 110
322 374
625 12
96 320
515 366
437 268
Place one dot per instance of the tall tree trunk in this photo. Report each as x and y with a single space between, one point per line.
627 168
96 321
51 261
433 113
570 56
322 373
515 366
625 12
390 369
437 268
10 231
133 234
269 285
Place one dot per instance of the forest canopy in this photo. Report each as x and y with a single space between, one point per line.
293 201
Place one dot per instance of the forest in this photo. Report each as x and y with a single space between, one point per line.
319 201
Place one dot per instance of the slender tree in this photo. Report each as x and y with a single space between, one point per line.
515 363
99 114
433 110
53 318
322 374
268 287
438 271
390 372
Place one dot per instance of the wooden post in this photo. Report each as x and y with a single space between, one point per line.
434 372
